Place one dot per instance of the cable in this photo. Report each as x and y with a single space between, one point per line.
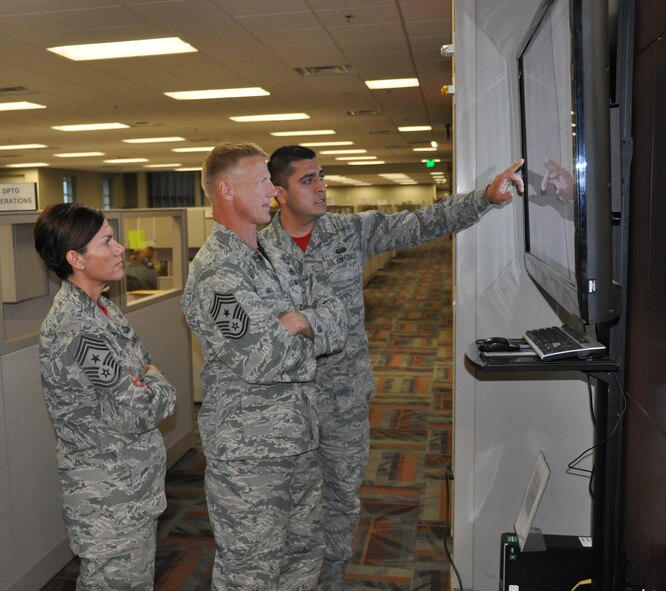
581 583
571 466
447 529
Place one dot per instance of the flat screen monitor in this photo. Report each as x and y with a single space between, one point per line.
565 127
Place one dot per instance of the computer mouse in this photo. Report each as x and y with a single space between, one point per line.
497 344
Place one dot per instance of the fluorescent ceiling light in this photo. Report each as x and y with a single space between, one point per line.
424 149
319 144
392 83
22 146
119 49
336 178
189 169
193 149
154 140
217 93
27 165
356 158
273 117
171 165
79 154
297 133
20 106
125 160
343 152
396 176
415 128
365 162
90 127
431 160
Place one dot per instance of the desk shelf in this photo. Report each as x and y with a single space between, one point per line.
527 363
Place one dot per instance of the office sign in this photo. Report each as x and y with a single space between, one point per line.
18 197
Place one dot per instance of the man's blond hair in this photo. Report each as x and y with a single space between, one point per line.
223 158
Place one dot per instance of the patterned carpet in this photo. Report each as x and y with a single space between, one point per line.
399 543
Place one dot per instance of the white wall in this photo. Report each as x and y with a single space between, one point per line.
501 422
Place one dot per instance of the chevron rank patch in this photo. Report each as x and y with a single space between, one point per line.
97 361
229 317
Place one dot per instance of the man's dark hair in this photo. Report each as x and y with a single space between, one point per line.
280 161
63 227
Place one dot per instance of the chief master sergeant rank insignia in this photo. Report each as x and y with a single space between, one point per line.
229 317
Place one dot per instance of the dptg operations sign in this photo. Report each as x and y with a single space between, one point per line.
18 197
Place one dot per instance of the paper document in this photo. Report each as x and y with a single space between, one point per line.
531 499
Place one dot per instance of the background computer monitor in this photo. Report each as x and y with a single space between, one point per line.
565 111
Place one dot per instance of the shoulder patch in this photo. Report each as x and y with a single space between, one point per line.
229 317
97 361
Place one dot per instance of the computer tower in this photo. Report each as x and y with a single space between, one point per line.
565 561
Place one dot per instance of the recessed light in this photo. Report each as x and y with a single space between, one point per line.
125 160
27 165
217 93
22 146
189 169
121 49
273 117
365 162
79 154
396 176
297 133
356 158
171 165
154 140
20 106
193 149
409 128
424 149
392 83
319 144
343 152
90 127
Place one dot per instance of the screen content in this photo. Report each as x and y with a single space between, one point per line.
549 129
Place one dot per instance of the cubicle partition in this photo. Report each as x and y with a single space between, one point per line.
33 546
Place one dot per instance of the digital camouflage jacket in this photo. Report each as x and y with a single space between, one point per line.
111 456
257 381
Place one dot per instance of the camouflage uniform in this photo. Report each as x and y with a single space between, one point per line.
340 246
258 418
111 456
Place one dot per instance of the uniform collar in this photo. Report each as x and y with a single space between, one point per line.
230 239
320 229
83 301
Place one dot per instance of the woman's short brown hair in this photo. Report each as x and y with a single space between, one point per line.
63 227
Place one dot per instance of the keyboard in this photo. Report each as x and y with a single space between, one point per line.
557 342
